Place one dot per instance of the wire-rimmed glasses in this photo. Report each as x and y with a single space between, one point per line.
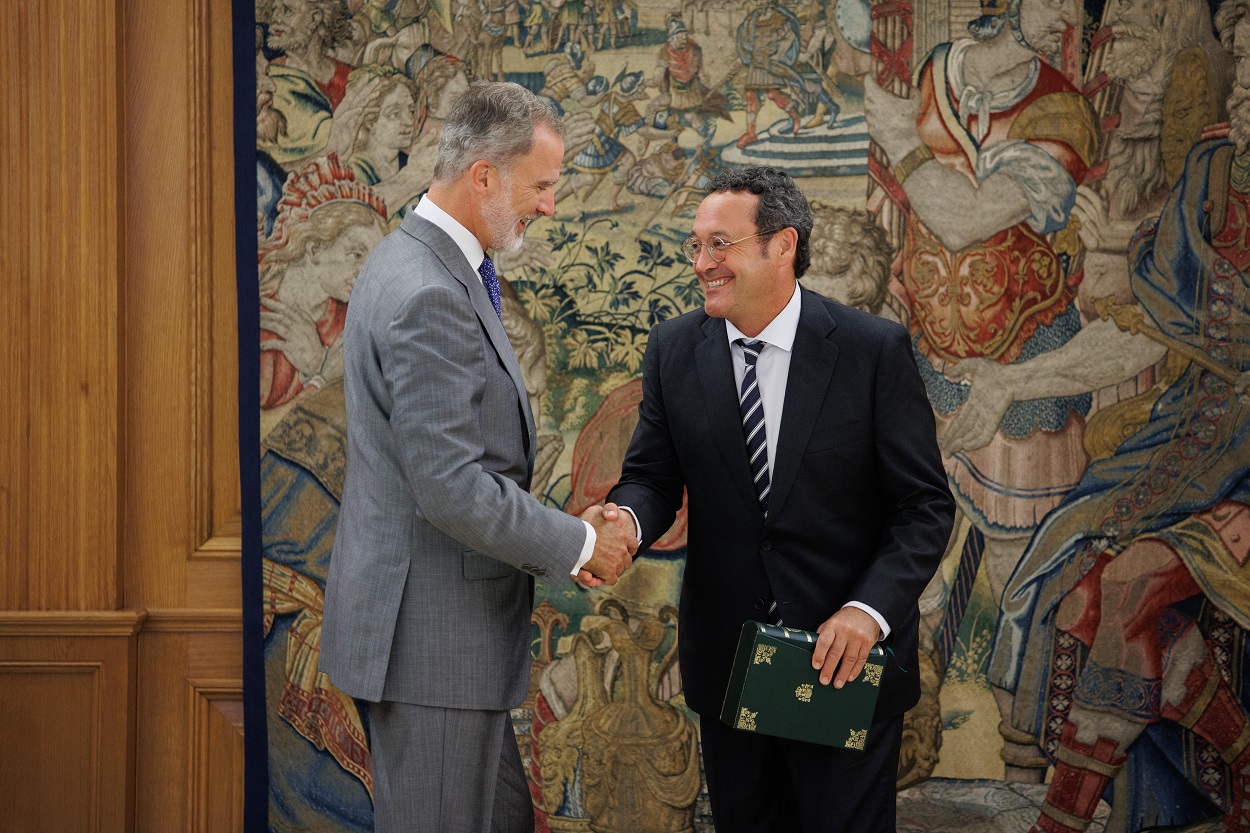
716 247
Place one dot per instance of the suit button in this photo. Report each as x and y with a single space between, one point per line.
766 545
759 604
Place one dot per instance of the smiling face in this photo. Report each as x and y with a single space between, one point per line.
756 280
522 194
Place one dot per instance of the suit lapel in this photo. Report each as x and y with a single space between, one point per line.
453 259
716 377
811 367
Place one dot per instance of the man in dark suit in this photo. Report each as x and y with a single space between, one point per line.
801 431
427 609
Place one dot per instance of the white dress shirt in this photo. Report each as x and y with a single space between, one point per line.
473 252
772 371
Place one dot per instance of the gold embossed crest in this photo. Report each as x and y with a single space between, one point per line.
746 720
872 674
804 693
857 739
764 653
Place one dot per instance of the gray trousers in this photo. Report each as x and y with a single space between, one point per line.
439 770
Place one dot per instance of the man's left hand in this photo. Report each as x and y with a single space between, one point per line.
845 639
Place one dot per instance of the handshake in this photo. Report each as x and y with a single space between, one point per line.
616 542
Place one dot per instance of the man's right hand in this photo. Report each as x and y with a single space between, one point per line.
616 542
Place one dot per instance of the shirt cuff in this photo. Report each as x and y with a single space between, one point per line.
876 617
588 549
637 526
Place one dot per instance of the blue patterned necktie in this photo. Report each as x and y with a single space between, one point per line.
487 271
753 421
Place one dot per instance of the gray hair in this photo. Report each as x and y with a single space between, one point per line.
494 121
781 205
1231 13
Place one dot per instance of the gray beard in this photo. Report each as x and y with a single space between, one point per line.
1130 59
1134 173
501 221
1239 117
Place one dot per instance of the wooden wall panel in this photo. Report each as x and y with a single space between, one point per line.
119 470
180 334
182 513
50 707
220 508
190 753
216 732
61 424
161 309
67 697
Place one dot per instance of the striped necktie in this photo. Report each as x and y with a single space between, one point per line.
487 271
753 422
756 436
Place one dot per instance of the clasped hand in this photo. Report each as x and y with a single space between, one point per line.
616 541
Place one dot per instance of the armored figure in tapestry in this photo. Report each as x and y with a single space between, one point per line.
989 151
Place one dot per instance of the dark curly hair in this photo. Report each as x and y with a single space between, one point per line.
781 205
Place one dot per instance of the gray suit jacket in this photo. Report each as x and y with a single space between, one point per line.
429 591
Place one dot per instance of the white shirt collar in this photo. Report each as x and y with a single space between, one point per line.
461 236
780 331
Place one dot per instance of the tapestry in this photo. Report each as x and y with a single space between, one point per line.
1053 196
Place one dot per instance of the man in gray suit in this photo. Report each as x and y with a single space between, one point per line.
431 581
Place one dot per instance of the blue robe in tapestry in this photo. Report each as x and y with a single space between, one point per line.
301 481
1192 453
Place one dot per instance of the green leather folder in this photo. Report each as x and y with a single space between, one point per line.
774 690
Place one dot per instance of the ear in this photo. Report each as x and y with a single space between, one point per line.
312 252
788 241
482 176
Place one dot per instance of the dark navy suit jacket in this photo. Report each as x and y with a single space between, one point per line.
859 508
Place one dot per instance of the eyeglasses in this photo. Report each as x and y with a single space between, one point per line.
716 247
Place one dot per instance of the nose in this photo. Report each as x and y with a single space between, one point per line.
547 203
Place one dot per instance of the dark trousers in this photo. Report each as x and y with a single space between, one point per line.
762 784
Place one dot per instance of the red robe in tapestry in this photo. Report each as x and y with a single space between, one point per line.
281 381
988 299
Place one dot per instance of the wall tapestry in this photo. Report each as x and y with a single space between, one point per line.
1068 245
